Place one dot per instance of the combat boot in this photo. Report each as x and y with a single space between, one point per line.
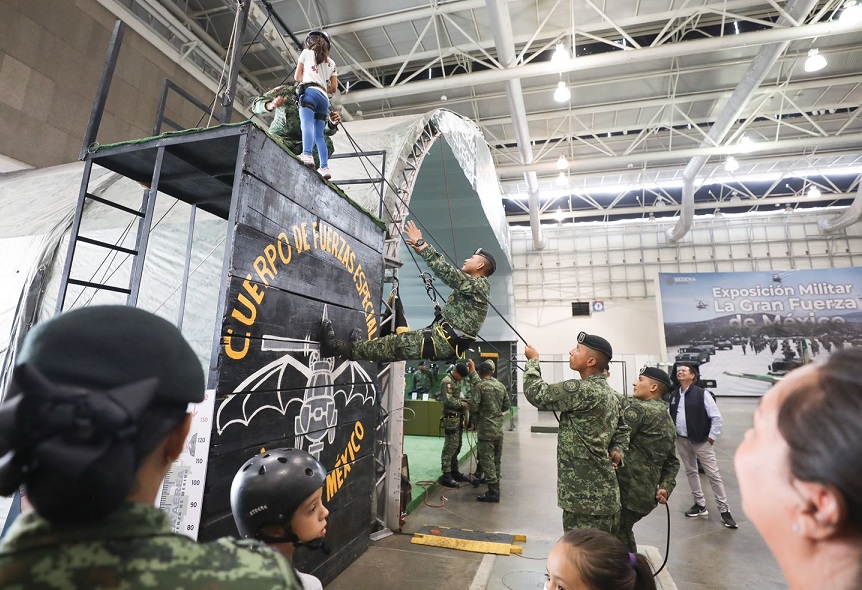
477 478
492 495
330 345
448 481
458 476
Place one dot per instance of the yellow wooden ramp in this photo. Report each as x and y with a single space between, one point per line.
468 540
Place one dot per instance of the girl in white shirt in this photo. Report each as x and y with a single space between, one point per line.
317 73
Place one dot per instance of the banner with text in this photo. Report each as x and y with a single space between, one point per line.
758 324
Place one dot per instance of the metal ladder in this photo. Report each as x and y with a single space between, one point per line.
144 223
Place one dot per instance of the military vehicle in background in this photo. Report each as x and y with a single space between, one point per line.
692 354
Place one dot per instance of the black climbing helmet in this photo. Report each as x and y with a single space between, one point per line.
319 33
269 488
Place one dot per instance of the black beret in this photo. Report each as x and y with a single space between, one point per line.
596 343
487 256
462 369
656 374
105 346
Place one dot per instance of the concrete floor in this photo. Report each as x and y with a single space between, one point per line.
703 553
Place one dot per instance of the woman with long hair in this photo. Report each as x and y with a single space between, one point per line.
318 78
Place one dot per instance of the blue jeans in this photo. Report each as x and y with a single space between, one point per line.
312 128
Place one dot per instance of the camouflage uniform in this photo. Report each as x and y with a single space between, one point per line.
488 400
465 310
651 463
132 548
452 419
422 381
285 120
591 426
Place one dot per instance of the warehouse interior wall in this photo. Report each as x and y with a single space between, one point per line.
51 57
616 264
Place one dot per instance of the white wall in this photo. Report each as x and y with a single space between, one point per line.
617 263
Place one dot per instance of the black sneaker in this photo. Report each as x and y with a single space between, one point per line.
728 521
697 510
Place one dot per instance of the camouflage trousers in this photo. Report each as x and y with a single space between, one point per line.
624 530
490 453
451 449
401 347
603 522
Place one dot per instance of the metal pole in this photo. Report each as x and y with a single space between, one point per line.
228 96
104 87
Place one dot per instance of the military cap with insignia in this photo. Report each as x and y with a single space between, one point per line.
656 374
596 343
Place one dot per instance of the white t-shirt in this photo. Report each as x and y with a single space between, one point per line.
315 72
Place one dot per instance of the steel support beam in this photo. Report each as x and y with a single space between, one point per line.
603 60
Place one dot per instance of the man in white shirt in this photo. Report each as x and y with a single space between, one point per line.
698 424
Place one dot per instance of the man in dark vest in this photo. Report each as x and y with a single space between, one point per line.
698 424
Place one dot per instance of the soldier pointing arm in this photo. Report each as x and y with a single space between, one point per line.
591 427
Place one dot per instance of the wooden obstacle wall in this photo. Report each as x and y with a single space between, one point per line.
300 251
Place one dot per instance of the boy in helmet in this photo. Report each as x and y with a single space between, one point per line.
276 497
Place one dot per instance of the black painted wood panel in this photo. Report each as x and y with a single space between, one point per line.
300 252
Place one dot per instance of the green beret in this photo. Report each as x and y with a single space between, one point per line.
656 374
105 346
596 343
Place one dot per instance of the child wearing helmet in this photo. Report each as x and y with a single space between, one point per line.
276 497
317 77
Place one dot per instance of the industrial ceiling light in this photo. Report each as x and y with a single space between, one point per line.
561 56
718 214
851 14
562 163
562 94
559 215
730 164
562 180
788 209
814 192
815 61
745 144
652 216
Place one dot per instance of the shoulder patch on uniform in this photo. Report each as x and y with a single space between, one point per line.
632 413
571 385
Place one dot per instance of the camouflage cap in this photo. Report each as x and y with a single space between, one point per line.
596 343
461 369
487 364
656 374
